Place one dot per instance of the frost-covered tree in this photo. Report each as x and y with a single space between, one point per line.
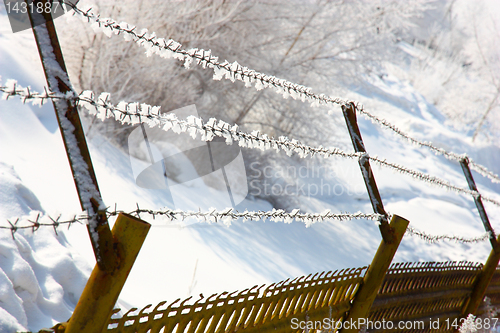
456 63
325 44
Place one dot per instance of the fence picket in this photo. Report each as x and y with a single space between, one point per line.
252 309
410 291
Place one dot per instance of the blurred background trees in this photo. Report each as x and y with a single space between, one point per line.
455 63
447 49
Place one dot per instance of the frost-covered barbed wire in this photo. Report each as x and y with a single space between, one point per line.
431 179
35 220
226 216
437 238
172 49
11 89
136 113
234 71
481 169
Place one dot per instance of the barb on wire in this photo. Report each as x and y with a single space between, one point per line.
11 89
135 113
34 223
234 71
436 238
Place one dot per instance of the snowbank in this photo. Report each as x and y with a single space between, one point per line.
41 278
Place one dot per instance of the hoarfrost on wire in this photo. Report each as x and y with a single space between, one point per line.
136 113
132 113
36 220
234 71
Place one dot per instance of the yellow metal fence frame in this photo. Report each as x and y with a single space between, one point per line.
325 295
410 291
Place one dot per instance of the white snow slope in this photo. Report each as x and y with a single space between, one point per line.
43 273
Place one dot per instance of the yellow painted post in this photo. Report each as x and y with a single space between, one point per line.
103 288
482 282
374 277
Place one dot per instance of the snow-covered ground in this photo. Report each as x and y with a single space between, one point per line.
42 273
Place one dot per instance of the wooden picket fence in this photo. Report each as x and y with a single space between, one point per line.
422 291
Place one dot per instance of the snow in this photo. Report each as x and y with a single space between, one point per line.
41 277
43 273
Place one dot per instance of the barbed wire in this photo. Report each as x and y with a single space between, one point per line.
173 49
136 113
432 239
429 179
227 215
12 88
481 169
36 220
234 71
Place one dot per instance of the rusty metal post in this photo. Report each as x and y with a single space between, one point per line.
349 111
93 310
73 136
116 250
479 204
366 294
392 233
483 280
